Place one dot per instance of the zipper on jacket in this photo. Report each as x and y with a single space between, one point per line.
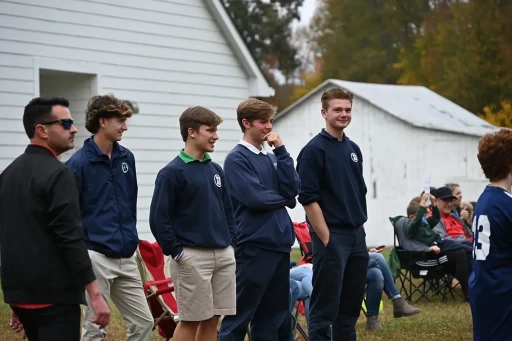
118 206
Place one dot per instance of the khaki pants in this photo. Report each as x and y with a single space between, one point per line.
119 279
204 283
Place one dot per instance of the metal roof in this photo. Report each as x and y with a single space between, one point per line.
416 105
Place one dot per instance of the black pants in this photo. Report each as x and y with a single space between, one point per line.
262 296
459 266
55 323
339 277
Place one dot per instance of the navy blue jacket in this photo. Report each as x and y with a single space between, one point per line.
108 198
191 206
261 187
331 174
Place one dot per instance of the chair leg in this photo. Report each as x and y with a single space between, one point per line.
404 281
302 332
295 322
298 327
365 307
413 288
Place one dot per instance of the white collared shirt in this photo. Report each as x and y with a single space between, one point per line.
252 148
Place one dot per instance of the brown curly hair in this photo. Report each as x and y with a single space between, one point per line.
495 154
105 106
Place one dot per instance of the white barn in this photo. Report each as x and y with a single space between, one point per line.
165 55
406 133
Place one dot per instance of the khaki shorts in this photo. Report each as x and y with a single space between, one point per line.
204 283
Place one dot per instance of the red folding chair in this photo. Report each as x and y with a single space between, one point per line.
158 288
304 239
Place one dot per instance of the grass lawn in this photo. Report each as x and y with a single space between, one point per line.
437 321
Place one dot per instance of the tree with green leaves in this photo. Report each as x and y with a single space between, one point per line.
464 53
265 26
361 40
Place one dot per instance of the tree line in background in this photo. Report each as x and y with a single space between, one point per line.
461 49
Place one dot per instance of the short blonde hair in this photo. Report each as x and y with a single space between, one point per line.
254 109
335 93
452 185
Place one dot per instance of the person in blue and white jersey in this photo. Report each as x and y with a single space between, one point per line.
490 284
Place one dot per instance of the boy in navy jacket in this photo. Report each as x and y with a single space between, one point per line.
262 185
333 193
107 184
192 219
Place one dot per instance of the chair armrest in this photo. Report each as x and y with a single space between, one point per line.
164 290
411 257
151 283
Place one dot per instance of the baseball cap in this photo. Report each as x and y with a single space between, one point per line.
444 193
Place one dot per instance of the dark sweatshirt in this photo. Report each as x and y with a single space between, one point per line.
420 229
261 187
331 174
191 206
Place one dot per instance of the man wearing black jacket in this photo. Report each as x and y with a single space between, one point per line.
45 264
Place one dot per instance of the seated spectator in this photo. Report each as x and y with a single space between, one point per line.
457 193
294 293
466 213
303 274
378 279
466 216
429 219
419 235
450 226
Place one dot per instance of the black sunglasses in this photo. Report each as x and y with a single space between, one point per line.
67 123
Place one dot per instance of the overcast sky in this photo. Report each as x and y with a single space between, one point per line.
306 12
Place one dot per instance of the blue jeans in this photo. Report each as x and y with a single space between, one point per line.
304 276
378 278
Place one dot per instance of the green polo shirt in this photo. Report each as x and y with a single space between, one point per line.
188 158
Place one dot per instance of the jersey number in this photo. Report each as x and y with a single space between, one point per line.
482 232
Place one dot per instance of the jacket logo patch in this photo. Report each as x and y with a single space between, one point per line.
217 181
353 156
124 167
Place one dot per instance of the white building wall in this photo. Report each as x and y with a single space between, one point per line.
16 89
396 159
164 55
78 89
